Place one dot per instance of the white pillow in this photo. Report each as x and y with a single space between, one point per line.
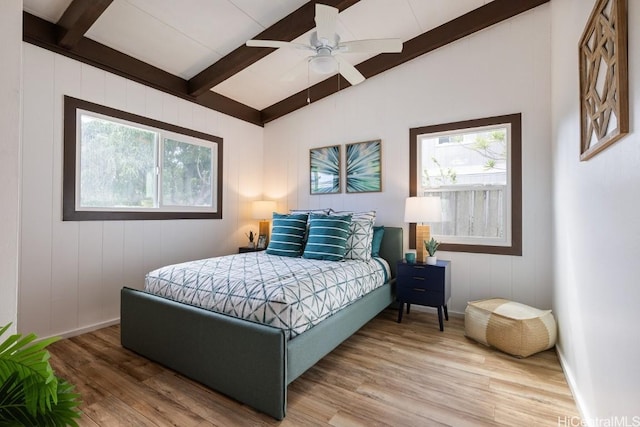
360 234
324 211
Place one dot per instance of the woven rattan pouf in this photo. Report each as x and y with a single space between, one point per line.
516 329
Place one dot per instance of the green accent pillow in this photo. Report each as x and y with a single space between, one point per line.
287 235
327 237
378 232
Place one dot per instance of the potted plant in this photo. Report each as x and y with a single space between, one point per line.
251 237
432 246
30 393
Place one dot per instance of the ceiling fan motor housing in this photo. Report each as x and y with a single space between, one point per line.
323 62
324 43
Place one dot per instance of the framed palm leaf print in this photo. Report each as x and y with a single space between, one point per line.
364 167
324 165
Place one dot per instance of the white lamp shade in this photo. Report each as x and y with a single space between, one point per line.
263 209
422 209
323 64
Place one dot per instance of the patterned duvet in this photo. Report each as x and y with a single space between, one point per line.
293 294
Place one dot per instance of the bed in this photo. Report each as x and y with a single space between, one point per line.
246 360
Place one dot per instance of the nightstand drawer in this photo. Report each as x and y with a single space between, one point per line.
420 296
429 273
423 282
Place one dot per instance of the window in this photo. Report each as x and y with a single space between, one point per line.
120 166
475 168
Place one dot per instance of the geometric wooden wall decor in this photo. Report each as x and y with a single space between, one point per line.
604 87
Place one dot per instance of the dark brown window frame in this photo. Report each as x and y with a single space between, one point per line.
69 212
516 181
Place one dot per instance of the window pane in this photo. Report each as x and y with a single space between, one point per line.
113 167
475 167
117 166
468 170
186 174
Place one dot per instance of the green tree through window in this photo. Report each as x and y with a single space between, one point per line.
117 164
121 166
186 172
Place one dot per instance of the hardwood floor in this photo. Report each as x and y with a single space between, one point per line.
408 374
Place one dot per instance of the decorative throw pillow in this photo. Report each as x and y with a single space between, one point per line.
324 211
327 237
371 215
378 232
287 234
360 234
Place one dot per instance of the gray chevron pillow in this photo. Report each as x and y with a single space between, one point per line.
360 234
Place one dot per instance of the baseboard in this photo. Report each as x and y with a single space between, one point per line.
577 397
84 330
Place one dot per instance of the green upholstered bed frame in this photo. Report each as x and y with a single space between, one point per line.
250 362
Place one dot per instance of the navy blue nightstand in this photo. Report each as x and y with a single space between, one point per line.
424 284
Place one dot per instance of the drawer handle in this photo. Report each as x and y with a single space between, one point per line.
418 278
419 289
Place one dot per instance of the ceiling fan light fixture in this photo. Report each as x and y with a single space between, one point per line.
325 43
323 64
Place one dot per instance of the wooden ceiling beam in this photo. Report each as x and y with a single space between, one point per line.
42 33
287 29
77 19
47 35
469 23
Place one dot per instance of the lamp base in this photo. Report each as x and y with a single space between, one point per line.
423 234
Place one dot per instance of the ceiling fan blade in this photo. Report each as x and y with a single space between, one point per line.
277 44
348 71
326 18
371 46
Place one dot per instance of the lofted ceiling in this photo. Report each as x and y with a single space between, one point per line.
195 48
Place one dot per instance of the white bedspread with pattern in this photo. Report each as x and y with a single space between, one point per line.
293 294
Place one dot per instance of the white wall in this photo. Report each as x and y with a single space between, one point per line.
72 272
597 233
504 69
10 109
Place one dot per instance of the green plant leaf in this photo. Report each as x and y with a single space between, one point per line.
30 393
12 410
431 246
31 362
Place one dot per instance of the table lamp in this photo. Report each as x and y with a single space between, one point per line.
263 211
422 210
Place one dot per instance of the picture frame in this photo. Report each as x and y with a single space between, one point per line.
262 241
364 166
324 170
604 86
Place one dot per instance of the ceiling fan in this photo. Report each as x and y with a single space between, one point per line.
327 48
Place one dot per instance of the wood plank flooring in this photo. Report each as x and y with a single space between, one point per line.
408 374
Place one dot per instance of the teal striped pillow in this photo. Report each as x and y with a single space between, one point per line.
287 234
327 237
